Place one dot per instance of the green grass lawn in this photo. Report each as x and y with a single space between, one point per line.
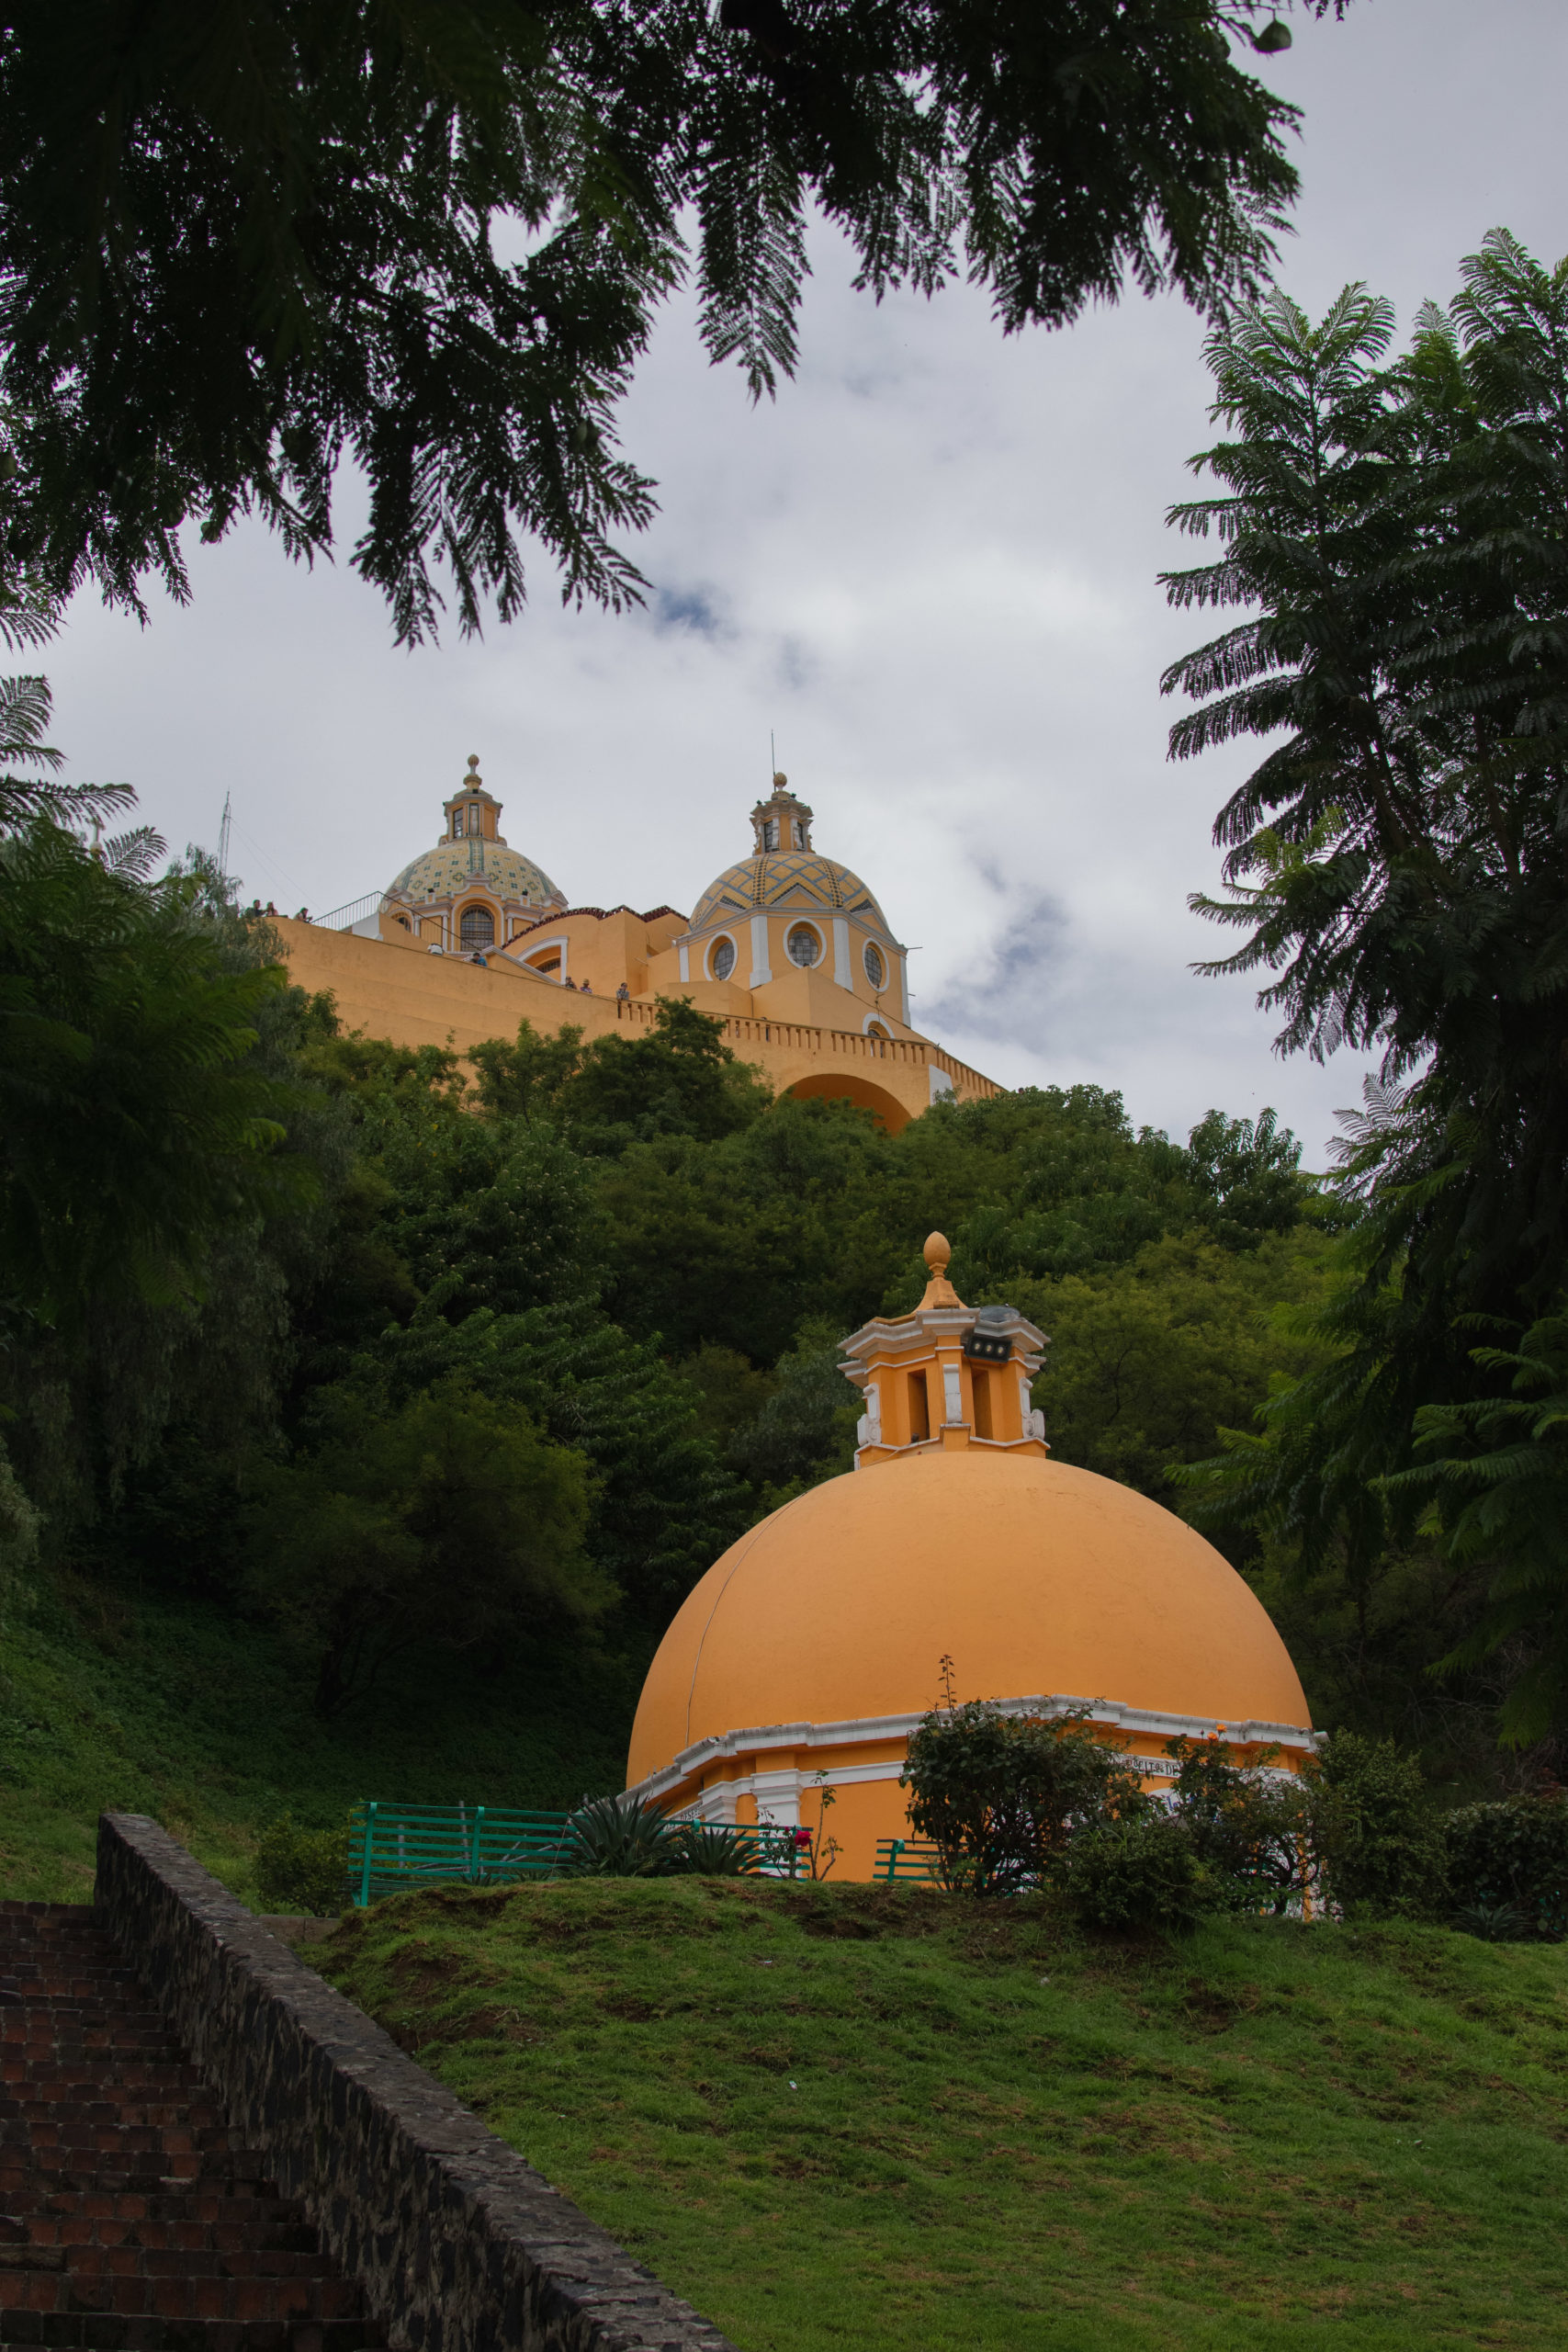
110 1699
884 2118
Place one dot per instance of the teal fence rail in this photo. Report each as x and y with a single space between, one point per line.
395 1847
906 1858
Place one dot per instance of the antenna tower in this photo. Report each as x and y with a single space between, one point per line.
223 843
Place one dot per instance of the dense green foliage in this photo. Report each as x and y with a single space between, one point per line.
239 245
885 2116
1399 532
1005 1797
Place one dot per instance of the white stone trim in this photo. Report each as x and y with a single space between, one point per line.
538 948
854 1731
761 971
708 972
795 920
844 972
904 984
685 953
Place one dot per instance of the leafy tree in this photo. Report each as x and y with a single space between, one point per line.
449 1521
1138 1871
1401 532
241 246
805 1430
1001 1795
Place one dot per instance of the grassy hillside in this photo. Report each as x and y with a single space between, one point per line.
187 1712
880 2116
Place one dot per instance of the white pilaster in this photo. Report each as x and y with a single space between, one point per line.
842 970
904 988
686 955
761 970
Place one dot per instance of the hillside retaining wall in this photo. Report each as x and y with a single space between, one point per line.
461 2245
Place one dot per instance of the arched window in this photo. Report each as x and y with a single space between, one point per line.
803 947
721 958
769 833
456 824
478 928
875 969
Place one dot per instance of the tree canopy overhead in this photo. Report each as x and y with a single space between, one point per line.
241 241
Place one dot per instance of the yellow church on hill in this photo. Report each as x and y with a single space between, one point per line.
789 948
808 1652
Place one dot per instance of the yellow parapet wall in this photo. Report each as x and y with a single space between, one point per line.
394 987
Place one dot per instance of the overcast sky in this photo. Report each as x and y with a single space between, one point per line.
929 571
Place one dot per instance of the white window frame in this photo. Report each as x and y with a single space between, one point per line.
734 945
874 947
804 923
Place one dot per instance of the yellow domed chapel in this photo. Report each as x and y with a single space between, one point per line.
807 1655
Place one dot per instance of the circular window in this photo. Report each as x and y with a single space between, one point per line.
477 927
875 969
803 945
721 959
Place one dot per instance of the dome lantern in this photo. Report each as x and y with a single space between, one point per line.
782 822
947 1375
472 892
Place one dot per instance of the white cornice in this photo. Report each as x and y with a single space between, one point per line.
854 1731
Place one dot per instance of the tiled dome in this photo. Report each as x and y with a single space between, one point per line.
452 866
783 878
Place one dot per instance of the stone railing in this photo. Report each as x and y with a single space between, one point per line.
460 2245
741 1030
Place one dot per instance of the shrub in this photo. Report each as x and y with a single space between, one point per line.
1379 1846
1001 1795
1507 1868
1135 1874
1251 1830
619 1837
710 1850
300 1870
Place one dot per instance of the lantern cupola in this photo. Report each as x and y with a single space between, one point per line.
947 1376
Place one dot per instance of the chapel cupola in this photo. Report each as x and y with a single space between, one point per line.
472 812
782 822
947 1376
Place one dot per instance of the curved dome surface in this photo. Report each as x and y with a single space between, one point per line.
780 878
1032 1575
452 866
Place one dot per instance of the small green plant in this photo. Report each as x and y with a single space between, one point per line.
302 1871
1138 1873
1250 1828
620 1836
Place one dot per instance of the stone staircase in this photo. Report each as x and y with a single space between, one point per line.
131 2217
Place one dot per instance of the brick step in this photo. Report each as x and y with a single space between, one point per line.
92 2331
181 2296
277 2264
176 2147
64 2071
87 2106
211 2198
263 2225
98 2178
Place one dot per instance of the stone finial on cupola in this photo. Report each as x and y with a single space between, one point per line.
781 822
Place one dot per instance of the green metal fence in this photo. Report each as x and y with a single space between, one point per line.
395 1847
906 1858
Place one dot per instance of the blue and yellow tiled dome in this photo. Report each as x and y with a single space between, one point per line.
452 865
786 872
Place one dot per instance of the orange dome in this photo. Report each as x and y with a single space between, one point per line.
1034 1579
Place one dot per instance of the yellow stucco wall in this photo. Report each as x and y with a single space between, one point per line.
393 986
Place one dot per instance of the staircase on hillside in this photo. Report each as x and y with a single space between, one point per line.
131 2217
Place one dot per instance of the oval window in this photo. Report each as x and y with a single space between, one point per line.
721 958
803 944
477 927
875 969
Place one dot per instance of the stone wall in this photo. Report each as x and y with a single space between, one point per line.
461 2246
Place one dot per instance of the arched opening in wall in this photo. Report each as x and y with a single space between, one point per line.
547 962
477 928
887 1107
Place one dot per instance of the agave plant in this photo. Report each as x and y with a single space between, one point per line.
714 1850
622 1836
1494 1923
